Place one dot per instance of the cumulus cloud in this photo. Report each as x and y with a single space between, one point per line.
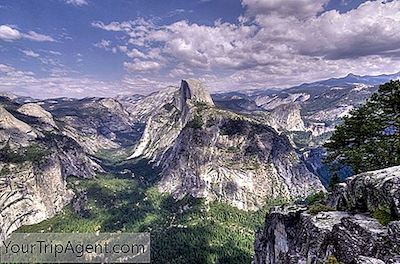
77 2
297 8
25 83
274 44
138 65
9 33
278 43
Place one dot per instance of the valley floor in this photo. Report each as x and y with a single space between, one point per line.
185 231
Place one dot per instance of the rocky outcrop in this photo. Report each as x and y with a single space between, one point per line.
286 117
216 154
96 123
166 119
226 157
34 166
370 191
292 235
11 127
35 110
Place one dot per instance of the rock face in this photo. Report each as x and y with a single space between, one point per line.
168 117
297 237
350 234
370 191
219 155
321 106
226 157
35 110
96 123
286 118
34 165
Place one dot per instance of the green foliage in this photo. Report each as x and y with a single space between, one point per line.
383 216
184 231
335 179
319 207
318 197
201 106
34 153
4 171
369 139
332 260
233 149
233 127
196 122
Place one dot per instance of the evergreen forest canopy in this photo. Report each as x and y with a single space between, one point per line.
369 137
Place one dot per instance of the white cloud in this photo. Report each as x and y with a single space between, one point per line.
77 2
55 52
278 43
34 36
297 8
274 44
30 53
104 44
8 33
138 65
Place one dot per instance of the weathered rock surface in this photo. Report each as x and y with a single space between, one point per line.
283 118
370 191
96 123
168 117
297 237
352 236
35 110
226 157
34 167
219 155
215 154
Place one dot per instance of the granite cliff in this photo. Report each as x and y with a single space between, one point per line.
347 231
220 155
35 160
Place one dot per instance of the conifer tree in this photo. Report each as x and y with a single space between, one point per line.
369 138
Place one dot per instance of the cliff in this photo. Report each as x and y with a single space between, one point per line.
350 234
219 155
34 165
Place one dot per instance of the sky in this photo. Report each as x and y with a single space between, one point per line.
79 48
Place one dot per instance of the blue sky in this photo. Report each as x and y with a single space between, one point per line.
51 48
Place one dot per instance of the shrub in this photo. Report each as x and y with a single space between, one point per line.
383 216
233 127
318 207
332 260
32 153
196 122
316 197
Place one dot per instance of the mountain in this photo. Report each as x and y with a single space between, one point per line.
359 226
307 113
35 160
196 171
219 155
98 124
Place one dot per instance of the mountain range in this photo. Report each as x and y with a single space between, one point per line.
245 149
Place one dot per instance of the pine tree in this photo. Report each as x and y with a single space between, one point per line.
369 138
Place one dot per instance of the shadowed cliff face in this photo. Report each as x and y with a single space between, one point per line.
35 160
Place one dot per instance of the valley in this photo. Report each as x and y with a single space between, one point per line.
200 172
